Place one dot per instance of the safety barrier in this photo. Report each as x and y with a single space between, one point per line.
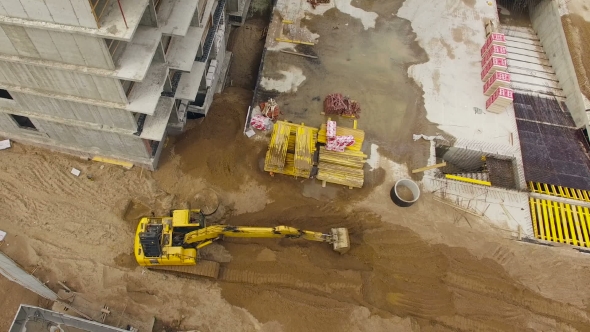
560 222
559 191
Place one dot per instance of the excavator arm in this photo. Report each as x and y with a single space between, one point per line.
338 237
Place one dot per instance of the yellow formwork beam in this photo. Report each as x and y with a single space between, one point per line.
469 180
582 217
285 40
565 192
540 218
558 223
572 228
546 221
564 223
534 216
125 164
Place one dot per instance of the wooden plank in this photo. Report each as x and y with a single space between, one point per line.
426 168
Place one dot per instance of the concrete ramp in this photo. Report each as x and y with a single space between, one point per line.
528 63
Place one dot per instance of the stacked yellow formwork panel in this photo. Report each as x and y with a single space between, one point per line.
299 144
344 168
277 149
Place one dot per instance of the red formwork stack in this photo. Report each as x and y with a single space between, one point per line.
497 80
334 104
337 104
501 98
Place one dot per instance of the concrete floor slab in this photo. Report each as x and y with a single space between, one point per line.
176 16
189 83
137 57
183 50
145 95
155 125
113 25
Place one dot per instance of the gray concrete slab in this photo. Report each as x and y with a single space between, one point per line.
145 95
112 23
137 57
155 125
176 15
189 83
183 50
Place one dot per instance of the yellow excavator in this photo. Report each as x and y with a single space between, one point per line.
173 243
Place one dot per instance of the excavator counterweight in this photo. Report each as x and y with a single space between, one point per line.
172 243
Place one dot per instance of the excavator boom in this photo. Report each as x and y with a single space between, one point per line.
338 237
172 243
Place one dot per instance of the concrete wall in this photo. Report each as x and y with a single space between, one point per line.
31 105
68 12
546 21
93 142
29 318
61 81
55 46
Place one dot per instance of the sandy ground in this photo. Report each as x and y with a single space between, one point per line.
425 268
11 297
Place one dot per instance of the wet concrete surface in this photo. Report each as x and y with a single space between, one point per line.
370 66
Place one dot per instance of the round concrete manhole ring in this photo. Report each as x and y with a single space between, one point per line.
206 200
405 192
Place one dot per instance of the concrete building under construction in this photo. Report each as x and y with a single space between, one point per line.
108 79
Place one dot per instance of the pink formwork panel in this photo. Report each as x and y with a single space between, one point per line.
331 129
493 65
494 51
339 143
499 100
494 38
498 79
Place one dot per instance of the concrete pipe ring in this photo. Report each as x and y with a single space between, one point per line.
404 193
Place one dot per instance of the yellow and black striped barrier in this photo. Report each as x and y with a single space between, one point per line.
559 191
560 222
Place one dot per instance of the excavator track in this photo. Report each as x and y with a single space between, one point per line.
204 268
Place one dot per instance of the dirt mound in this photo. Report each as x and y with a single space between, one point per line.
215 149
392 271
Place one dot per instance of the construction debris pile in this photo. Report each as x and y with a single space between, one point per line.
337 104
269 113
315 3
291 150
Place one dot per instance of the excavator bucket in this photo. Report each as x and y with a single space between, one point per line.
341 240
